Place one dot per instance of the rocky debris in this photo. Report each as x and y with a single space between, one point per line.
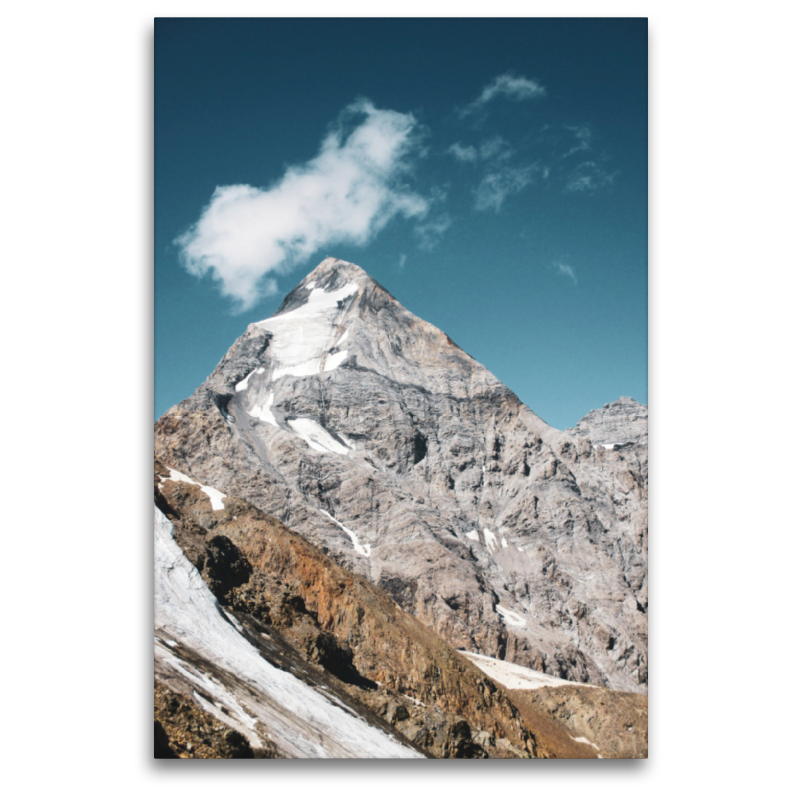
614 724
307 613
204 652
381 442
621 422
184 730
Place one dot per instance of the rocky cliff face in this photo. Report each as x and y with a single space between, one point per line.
321 633
374 436
622 422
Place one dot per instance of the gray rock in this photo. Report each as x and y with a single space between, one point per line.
372 434
621 422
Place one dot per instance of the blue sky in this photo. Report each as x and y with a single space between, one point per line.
491 174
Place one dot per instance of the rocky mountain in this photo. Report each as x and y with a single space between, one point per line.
391 451
262 641
622 422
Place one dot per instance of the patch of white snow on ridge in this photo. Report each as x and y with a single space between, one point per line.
504 542
490 539
242 385
264 414
246 689
344 336
362 549
335 360
316 437
513 676
310 285
584 740
312 367
474 535
215 495
301 337
610 446
511 617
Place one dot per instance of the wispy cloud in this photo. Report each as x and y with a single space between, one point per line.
583 137
508 85
429 233
496 148
345 194
500 183
402 263
567 271
588 177
462 153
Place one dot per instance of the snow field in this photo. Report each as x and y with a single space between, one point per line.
513 676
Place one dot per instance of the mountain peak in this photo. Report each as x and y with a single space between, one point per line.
624 420
336 266
330 276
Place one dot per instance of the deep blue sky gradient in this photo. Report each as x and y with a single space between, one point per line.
237 101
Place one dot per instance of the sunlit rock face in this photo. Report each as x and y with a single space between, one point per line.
373 435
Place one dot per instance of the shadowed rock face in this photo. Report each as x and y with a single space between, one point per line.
374 436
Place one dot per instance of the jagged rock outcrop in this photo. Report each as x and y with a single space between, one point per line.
321 623
374 436
613 724
621 422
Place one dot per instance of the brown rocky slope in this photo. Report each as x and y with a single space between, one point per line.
326 619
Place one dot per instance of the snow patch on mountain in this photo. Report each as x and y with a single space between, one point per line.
215 495
513 676
242 385
361 549
301 337
313 366
584 740
335 360
316 437
511 617
264 413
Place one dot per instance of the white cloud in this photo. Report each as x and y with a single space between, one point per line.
496 148
402 260
588 177
566 269
429 233
461 153
346 194
506 85
583 135
499 183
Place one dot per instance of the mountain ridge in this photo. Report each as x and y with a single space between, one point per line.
385 444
